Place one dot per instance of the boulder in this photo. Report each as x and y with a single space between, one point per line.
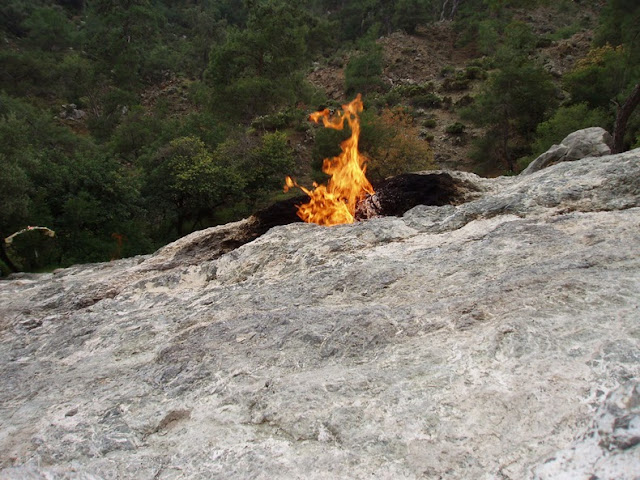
589 142
495 338
72 112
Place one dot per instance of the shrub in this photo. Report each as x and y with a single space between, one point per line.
455 84
475 73
429 123
409 91
456 128
282 119
447 71
429 100
564 121
388 99
363 72
464 101
393 144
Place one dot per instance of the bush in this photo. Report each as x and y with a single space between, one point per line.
475 73
393 144
464 101
49 29
455 84
598 77
564 121
429 123
429 100
283 119
389 99
447 71
363 73
409 91
456 128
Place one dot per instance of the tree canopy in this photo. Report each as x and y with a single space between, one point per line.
127 123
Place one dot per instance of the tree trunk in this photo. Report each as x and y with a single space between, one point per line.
454 9
444 10
4 257
622 117
452 12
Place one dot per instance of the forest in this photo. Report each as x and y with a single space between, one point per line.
125 124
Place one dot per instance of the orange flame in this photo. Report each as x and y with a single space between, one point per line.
336 202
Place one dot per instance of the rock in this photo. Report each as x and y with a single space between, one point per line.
600 452
397 195
589 142
72 112
497 338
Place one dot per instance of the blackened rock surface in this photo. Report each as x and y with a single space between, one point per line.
491 339
399 194
280 213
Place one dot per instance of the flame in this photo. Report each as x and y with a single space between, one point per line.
335 202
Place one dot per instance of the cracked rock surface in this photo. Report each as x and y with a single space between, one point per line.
496 339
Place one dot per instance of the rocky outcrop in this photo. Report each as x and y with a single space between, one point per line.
589 142
497 338
72 112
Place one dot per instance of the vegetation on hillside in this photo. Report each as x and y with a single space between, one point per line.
125 124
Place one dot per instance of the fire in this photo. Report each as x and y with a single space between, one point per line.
335 202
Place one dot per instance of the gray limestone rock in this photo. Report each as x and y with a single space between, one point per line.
589 142
495 339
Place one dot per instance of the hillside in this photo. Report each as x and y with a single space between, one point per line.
124 127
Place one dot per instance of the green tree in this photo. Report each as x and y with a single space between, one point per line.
76 76
408 14
268 164
54 178
14 203
186 183
566 120
119 34
514 100
363 73
598 78
255 70
49 29
620 25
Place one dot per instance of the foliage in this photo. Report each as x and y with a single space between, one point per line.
515 99
429 123
603 79
265 164
565 120
186 182
391 142
121 38
363 72
429 100
408 14
26 74
54 178
253 71
457 84
188 106
598 78
48 28
620 25
456 128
